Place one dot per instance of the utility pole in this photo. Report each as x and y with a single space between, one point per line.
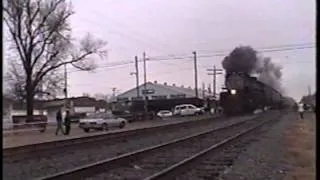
65 87
144 69
145 84
195 73
209 88
203 90
309 90
114 92
137 75
214 73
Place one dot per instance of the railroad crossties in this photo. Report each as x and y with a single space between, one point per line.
285 152
213 145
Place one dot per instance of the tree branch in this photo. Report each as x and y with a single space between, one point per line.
81 68
38 78
45 17
42 73
45 43
40 31
18 45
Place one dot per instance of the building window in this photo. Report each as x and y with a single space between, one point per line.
159 97
177 96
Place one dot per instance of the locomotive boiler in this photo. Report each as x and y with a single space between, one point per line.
245 94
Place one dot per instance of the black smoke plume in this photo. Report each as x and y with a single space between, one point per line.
245 59
241 59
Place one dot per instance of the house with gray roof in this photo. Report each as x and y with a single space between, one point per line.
156 91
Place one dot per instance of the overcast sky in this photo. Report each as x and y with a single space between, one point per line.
163 28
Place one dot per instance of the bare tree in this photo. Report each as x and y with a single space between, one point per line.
41 36
101 96
86 94
49 87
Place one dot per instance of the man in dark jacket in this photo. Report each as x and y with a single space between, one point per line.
59 122
67 122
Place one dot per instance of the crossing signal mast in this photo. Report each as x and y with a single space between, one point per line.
214 72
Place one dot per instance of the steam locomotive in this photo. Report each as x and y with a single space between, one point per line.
245 94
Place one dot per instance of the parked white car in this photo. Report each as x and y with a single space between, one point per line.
164 113
186 110
101 121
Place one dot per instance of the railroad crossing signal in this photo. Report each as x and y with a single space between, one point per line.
214 72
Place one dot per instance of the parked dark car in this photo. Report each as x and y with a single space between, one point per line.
136 116
124 114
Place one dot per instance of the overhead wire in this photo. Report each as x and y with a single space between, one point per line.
155 59
175 57
265 47
225 54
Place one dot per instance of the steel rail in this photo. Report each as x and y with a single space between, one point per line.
111 163
51 145
178 168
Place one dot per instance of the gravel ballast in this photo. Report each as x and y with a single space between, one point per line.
67 159
264 158
154 161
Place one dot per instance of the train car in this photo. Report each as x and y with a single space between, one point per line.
245 94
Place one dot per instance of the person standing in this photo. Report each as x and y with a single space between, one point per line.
67 123
59 122
301 109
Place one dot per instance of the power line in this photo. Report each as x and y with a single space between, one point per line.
121 34
162 73
132 31
268 47
225 54
155 59
204 66
166 73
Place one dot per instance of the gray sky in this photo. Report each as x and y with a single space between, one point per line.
163 28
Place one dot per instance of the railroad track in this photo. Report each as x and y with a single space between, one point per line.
45 147
212 162
70 157
161 161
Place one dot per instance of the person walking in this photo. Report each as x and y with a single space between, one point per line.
59 122
301 109
67 123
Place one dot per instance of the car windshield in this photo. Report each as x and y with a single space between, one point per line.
164 112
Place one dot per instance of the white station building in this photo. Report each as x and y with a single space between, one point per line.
156 91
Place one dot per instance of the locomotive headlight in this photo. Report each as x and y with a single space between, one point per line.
233 91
